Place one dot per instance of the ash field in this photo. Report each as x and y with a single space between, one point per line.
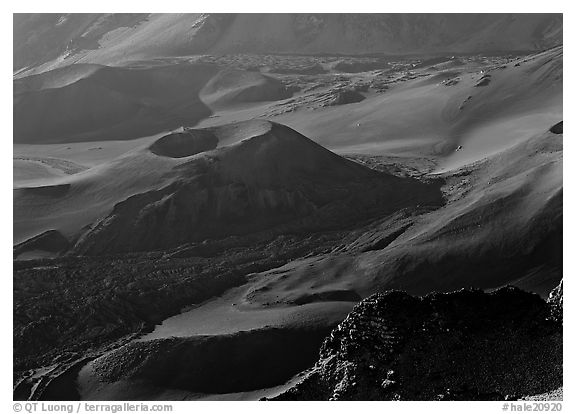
287 207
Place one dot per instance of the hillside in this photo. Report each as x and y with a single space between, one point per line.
113 39
203 202
270 179
88 102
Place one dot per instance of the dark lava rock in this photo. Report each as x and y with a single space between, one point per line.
359 66
557 128
346 97
464 345
556 301
484 81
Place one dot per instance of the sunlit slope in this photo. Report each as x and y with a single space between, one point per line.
424 117
46 41
502 224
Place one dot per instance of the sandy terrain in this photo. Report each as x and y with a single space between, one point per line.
292 165
222 319
414 174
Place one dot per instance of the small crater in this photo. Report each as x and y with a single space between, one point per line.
184 144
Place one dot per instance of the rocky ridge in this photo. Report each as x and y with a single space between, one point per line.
463 345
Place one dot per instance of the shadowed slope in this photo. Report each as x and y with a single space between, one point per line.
96 103
274 179
202 364
230 87
110 103
50 241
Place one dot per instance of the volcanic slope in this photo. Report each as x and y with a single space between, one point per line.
502 224
273 180
114 39
244 178
97 103
455 121
108 103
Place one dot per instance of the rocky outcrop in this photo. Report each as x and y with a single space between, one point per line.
464 345
483 81
556 302
346 97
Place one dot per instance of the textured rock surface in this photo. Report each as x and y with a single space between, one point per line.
465 345
556 301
